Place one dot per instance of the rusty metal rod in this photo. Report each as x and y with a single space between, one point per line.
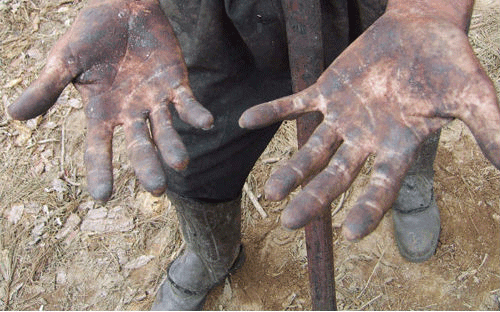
305 51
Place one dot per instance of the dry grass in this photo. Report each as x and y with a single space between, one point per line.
44 186
484 36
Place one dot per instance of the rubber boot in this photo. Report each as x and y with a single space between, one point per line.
212 233
417 224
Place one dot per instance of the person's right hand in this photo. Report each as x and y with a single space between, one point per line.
125 61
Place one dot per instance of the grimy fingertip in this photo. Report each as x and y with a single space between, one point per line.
382 190
35 100
145 158
196 115
358 226
280 184
98 160
366 214
100 188
167 140
299 213
43 93
99 169
257 117
191 111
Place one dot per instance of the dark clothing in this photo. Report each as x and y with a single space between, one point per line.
237 56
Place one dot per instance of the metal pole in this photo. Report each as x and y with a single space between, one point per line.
305 47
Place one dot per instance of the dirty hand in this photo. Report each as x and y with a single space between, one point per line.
125 61
408 75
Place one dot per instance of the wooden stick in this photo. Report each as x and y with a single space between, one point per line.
254 201
369 302
340 204
305 52
373 272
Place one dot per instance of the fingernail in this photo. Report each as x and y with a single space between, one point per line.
349 235
290 221
101 192
208 128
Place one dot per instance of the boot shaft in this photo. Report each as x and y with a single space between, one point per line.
212 233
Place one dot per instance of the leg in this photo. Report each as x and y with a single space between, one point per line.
213 251
415 213
226 78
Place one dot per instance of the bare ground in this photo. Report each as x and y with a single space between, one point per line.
59 250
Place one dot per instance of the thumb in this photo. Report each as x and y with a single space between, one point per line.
482 116
288 107
43 92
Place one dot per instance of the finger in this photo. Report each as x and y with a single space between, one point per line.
166 138
309 160
288 107
380 193
144 157
98 158
190 111
482 116
43 92
325 187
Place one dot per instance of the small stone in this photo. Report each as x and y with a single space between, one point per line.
75 103
50 125
389 280
46 210
33 123
98 213
33 208
71 223
138 262
39 168
61 278
86 206
38 229
47 154
122 256
102 221
34 53
59 185
140 297
15 213
496 217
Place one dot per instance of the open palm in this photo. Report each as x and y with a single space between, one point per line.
125 61
401 81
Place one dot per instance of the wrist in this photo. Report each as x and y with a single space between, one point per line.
457 12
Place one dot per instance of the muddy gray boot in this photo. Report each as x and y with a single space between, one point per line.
212 232
415 213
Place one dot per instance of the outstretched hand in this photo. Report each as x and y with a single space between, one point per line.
125 61
402 80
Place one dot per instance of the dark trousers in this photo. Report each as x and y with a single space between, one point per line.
237 57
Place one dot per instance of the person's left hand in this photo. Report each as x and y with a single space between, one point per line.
401 81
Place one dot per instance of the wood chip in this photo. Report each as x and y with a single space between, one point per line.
71 223
16 212
138 262
103 221
254 201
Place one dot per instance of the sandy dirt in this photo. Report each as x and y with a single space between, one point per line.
60 250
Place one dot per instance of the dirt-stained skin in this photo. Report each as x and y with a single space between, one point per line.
125 61
409 74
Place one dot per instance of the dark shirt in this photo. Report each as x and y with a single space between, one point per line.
237 56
